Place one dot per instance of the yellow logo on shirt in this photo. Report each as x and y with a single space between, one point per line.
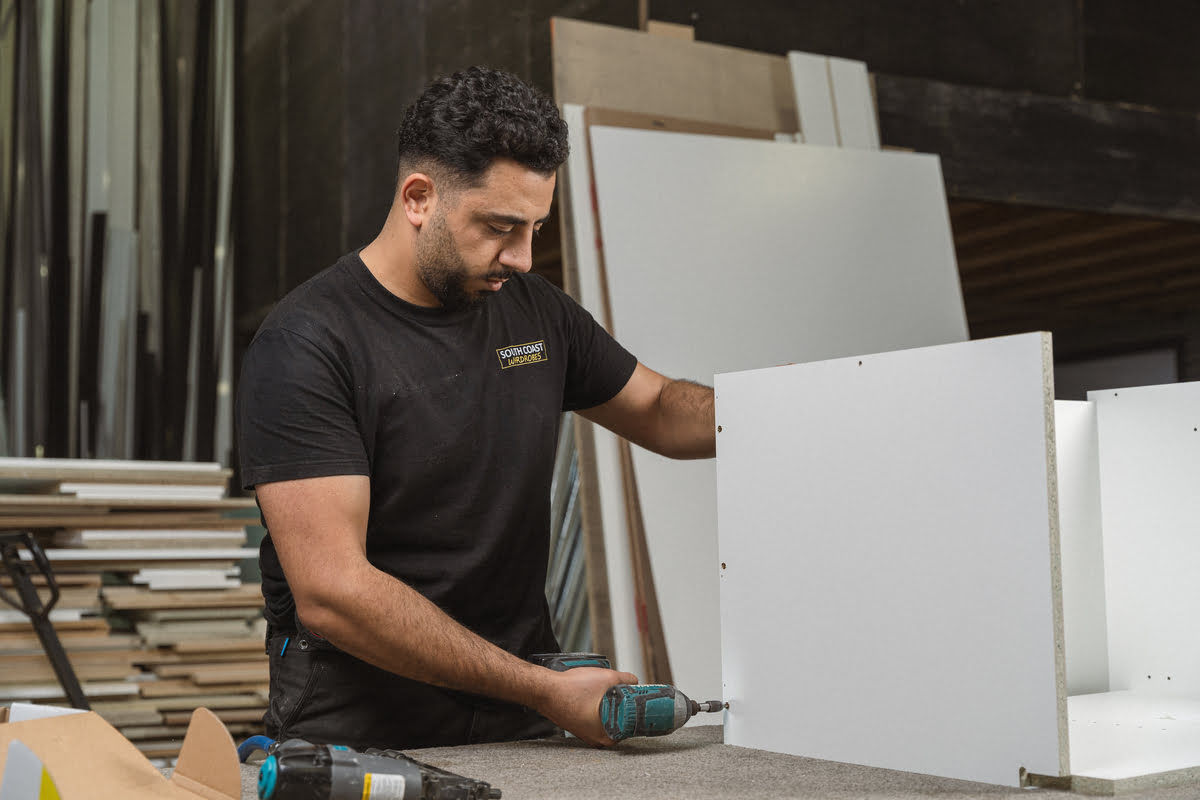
517 355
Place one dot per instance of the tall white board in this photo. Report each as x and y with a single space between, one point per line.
589 293
725 254
814 98
1150 505
853 104
889 547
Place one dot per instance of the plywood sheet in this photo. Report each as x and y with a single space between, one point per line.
68 504
1149 472
627 70
105 519
148 555
897 511
1084 623
738 254
135 597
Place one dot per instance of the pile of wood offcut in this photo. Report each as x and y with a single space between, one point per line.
152 612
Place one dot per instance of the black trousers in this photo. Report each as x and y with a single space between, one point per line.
323 695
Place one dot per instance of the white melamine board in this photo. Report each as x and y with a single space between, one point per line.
187 581
627 653
1084 625
1150 507
1119 737
138 554
90 465
56 615
738 254
113 491
22 712
889 537
853 104
814 98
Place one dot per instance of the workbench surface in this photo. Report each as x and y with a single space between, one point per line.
694 763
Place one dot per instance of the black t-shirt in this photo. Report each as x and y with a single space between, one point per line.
454 417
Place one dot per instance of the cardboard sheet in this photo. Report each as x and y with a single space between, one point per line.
90 760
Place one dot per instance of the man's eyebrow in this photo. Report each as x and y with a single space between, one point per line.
509 219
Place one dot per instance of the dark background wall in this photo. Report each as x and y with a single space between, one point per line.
323 84
1071 104
1110 50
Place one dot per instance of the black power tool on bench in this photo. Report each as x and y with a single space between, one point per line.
299 770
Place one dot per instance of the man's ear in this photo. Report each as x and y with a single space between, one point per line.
418 195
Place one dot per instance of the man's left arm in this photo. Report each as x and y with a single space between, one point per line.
673 418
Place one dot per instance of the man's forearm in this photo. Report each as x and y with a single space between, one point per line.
319 525
385 622
687 420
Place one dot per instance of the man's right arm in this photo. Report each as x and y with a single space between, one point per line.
318 526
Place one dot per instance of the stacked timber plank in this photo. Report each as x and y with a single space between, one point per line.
152 611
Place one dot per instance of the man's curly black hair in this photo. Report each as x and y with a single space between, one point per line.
466 121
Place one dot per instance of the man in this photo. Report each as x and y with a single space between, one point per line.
398 415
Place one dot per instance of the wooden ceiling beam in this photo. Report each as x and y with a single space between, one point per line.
1037 273
1090 236
1028 223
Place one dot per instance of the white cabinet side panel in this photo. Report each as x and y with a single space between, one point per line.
1084 624
887 530
627 653
1150 509
814 98
736 254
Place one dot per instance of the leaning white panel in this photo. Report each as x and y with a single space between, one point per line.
627 654
735 254
1150 506
889 544
854 105
814 98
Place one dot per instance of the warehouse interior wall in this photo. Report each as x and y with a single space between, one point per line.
1066 130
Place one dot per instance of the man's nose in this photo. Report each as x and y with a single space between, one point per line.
518 254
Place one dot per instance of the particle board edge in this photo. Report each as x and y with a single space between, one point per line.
1055 545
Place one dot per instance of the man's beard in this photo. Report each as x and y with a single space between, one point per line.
442 269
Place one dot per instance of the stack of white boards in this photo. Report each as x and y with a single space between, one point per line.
152 613
968 592
740 249
739 253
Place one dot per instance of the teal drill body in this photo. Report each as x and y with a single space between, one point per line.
643 710
648 710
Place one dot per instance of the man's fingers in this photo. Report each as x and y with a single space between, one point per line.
628 677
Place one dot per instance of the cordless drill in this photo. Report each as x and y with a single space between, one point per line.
644 710
299 770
